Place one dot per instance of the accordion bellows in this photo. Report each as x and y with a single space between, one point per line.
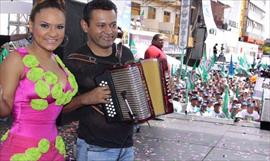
144 88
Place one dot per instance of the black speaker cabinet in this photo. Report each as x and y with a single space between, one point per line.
265 116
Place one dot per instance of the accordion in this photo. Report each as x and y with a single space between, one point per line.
139 91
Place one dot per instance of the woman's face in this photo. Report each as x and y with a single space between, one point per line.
48 28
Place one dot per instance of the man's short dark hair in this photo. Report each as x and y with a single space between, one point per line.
97 4
156 37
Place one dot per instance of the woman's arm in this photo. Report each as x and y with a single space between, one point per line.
11 71
95 96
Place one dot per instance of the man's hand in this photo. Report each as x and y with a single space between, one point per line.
96 96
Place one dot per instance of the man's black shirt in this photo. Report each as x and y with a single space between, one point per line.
4 39
93 127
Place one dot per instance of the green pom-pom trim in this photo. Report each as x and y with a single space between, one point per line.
59 61
68 96
57 91
35 74
39 104
42 89
33 154
60 101
5 136
43 145
30 61
73 83
50 77
19 157
60 145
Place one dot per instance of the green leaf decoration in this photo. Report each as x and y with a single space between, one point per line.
35 74
5 136
30 61
39 104
43 145
57 91
33 154
50 77
42 89
60 145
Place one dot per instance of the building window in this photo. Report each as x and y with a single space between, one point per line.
135 9
151 13
167 16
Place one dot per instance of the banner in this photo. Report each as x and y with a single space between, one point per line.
184 23
262 88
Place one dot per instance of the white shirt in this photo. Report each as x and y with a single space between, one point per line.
217 115
191 109
247 116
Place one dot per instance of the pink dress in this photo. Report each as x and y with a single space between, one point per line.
37 103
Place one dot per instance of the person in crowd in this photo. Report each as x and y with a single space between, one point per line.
7 38
203 110
236 108
244 105
217 111
249 113
97 138
155 50
35 84
192 106
215 51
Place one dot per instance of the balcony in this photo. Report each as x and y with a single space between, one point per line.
150 25
166 27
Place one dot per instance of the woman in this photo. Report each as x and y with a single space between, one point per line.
35 85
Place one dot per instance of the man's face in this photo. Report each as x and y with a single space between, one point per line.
217 108
102 28
159 42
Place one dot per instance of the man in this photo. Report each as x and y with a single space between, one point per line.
215 51
155 50
249 113
98 139
192 106
7 38
217 113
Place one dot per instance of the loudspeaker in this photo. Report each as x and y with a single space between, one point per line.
76 36
197 51
265 115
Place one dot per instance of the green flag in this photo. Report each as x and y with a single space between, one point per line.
237 92
225 104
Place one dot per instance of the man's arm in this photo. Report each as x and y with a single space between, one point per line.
18 37
96 96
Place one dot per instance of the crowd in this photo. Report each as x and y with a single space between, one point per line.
220 97
40 87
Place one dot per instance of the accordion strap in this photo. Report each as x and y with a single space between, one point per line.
93 60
